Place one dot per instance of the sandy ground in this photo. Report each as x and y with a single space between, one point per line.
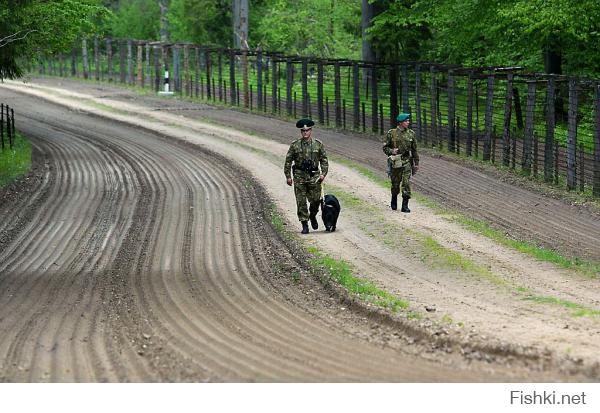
486 298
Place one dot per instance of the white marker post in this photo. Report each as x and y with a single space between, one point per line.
166 92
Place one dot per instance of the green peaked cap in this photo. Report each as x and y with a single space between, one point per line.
305 123
402 117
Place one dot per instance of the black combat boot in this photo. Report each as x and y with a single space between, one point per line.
405 204
304 227
394 203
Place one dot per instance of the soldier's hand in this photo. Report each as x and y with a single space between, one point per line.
321 178
290 182
395 151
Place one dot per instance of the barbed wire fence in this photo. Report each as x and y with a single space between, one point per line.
543 126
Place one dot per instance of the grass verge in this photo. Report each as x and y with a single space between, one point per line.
584 267
15 162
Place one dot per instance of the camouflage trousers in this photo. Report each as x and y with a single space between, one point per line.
307 191
401 178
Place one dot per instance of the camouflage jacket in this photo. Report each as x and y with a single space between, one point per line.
305 150
406 142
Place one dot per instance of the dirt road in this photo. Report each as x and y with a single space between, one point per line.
132 256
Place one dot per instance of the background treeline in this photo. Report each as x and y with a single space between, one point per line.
553 36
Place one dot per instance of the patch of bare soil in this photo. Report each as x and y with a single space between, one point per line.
471 296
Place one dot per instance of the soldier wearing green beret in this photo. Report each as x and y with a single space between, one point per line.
306 166
403 160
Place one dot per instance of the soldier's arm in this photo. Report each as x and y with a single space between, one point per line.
415 153
288 163
387 145
324 161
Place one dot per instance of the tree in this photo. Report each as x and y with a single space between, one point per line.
164 20
30 27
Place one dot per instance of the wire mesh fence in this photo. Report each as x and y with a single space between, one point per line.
543 126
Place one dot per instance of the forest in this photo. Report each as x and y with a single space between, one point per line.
551 36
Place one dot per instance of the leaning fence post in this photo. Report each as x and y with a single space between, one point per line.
338 95
550 122
393 95
596 189
572 136
320 91
374 99
489 106
451 110
528 135
507 115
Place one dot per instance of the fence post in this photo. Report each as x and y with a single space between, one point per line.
122 61
129 62
374 102
581 167
74 62
469 143
96 58
356 95
518 111
148 77
394 94
489 106
140 64
327 110
405 91
156 69
288 85
572 136
232 85
381 118
85 59
197 67
344 113
2 125
186 69
61 62
514 148
507 115
417 103
528 135
274 81
176 69
12 126
451 111
338 94
320 91
550 122
596 189
432 105
259 81
109 61
304 87
457 134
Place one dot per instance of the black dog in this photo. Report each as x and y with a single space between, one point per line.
330 212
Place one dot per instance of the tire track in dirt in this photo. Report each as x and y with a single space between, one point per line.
145 288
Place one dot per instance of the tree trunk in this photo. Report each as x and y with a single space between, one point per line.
553 65
164 22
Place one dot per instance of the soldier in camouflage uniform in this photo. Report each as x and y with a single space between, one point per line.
303 159
403 160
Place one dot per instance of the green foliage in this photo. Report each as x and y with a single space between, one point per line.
33 26
201 21
325 28
137 19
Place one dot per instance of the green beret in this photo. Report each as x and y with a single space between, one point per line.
305 123
402 117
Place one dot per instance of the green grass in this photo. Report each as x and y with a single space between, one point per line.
579 310
342 273
15 162
584 267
